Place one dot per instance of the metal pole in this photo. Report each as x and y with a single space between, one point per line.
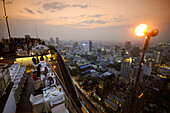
6 18
36 30
147 39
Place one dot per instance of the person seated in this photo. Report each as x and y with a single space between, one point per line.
34 60
51 81
45 71
34 76
41 58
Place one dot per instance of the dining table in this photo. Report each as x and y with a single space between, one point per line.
50 95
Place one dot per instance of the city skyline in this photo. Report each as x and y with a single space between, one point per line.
85 20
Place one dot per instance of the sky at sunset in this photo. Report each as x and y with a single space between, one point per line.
85 19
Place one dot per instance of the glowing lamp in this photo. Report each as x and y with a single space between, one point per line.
1 58
54 66
140 95
6 16
140 29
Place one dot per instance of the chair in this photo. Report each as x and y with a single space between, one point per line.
59 109
37 84
58 100
37 103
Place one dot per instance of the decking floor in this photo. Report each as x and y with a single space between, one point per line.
24 105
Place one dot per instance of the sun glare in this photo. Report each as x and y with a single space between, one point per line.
140 29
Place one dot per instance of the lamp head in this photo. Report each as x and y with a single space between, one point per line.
142 29
151 33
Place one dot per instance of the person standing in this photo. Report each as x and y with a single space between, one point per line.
38 70
41 58
34 60
37 58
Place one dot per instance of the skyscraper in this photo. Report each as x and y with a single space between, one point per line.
27 36
52 41
90 46
127 44
57 42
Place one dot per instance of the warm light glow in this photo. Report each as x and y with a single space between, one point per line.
140 95
140 29
54 66
1 58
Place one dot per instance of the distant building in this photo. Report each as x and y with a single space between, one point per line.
135 52
52 41
147 69
75 45
125 69
84 71
127 44
27 36
105 82
90 46
57 42
123 52
117 49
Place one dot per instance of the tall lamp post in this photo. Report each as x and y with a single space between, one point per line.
140 31
6 18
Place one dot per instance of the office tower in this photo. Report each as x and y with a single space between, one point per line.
57 42
75 44
125 69
135 52
127 44
90 46
123 52
27 36
52 41
117 49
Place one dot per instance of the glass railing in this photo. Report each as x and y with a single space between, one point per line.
64 79
70 103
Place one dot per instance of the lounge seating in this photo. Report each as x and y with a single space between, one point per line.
37 84
59 100
59 109
37 103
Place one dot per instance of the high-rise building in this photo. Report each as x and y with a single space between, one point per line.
117 49
123 52
135 52
127 44
125 69
52 41
75 45
57 42
27 36
90 46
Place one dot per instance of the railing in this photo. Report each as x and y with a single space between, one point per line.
66 82
65 90
4 78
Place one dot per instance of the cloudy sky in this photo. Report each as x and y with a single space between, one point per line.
86 19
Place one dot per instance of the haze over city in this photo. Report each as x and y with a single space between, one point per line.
85 20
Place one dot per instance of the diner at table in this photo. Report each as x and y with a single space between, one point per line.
34 76
53 94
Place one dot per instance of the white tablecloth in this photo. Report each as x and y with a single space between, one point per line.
50 95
